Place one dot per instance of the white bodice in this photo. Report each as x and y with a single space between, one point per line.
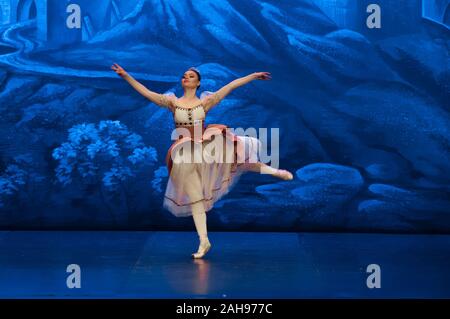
184 116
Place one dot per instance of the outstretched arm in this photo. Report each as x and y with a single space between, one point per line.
215 98
157 98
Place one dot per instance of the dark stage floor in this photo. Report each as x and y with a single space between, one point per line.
239 265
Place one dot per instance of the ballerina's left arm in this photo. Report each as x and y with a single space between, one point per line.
215 98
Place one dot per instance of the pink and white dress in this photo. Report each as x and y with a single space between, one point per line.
204 162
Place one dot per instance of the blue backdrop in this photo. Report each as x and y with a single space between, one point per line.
363 113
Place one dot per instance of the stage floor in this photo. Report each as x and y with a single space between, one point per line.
239 265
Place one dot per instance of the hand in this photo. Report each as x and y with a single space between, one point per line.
262 76
119 70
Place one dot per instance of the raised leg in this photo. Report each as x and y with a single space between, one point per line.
262 168
252 165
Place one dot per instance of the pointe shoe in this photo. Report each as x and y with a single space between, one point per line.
283 174
204 247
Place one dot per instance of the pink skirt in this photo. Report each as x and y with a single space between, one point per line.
205 169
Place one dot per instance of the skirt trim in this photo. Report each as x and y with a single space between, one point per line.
184 210
213 190
200 200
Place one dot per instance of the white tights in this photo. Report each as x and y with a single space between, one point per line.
259 167
192 183
199 216
198 208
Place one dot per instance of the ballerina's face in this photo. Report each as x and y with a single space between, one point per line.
190 80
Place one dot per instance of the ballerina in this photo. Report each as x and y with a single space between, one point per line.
195 185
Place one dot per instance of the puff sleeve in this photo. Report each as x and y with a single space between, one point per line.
167 100
209 99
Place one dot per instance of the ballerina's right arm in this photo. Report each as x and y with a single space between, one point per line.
157 98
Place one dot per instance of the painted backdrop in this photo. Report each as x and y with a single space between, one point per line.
364 114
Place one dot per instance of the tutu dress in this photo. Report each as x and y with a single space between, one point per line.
204 161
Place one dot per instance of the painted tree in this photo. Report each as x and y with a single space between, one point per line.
11 181
108 156
18 182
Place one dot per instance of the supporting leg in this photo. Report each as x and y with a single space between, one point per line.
192 187
199 216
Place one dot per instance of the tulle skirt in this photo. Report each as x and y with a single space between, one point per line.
205 169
